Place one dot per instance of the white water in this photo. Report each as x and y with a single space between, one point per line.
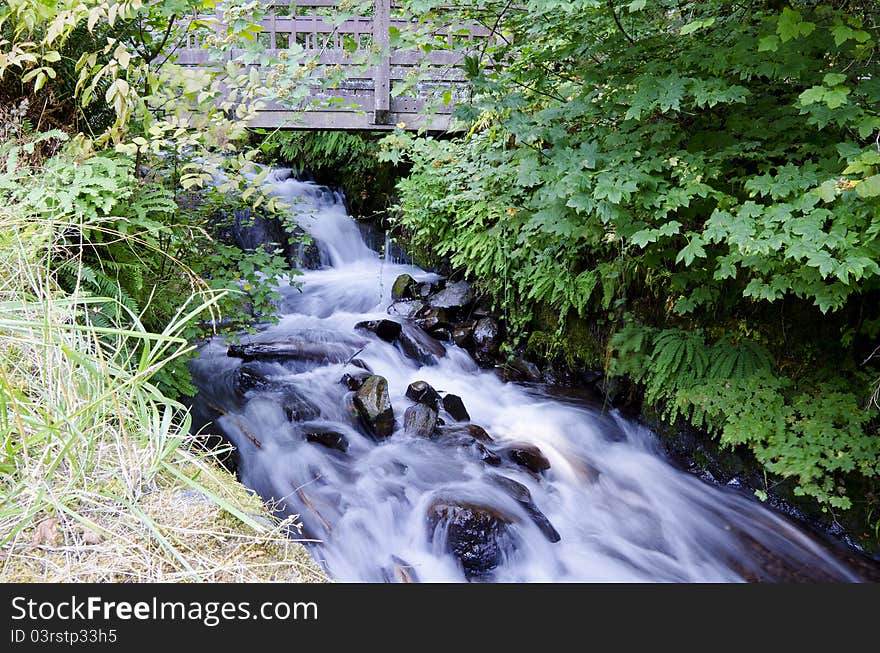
623 513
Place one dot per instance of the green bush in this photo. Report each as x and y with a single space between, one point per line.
702 178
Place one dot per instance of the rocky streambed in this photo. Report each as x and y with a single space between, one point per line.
374 411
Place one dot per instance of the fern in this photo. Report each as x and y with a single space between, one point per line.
739 360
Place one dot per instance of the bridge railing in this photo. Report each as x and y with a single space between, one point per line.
366 94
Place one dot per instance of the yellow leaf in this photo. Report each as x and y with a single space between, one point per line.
41 80
122 56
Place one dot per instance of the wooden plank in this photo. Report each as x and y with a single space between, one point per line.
346 120
382 76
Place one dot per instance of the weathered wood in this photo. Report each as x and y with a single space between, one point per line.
382 72
368 89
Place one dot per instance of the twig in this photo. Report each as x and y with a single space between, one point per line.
617 22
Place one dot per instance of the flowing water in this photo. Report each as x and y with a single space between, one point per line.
622 513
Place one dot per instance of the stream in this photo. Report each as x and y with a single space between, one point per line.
547 490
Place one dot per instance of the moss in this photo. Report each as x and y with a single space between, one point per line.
579 343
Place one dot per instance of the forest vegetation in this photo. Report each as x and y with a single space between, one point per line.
683 194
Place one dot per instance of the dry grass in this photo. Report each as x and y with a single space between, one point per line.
99 477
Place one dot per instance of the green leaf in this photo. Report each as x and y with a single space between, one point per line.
869 187
812 95
768 43
636 5
693 250
833 79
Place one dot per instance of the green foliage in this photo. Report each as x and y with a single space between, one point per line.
309 151
813 429
712 169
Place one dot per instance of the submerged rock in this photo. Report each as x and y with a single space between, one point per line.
299 349
387 330
419 346
373 406
468 430
402 287
455 407
520 493
421 392
420 420
354 379
298 408
327 438
249 378
477 535
529 456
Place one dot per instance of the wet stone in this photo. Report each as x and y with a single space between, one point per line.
523 496
250 378
479 536
354 379
455 407
528 456
402 287
407 309
423 393
387 330
327 438
419 346
486 339
298 408
373 406
420 420
455 295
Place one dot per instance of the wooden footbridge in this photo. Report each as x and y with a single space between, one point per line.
364 100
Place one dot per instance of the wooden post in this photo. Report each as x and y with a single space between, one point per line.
382 72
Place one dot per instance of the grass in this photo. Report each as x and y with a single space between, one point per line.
100 479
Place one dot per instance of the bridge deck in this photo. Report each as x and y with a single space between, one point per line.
359 51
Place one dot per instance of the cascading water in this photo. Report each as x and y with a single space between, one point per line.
609 508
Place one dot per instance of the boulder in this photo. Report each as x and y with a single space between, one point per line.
423 393
528 456
487 339
387 330
457 295
520 493
419 346
420 420
479 536
373 406
402 287
455 407
327 438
